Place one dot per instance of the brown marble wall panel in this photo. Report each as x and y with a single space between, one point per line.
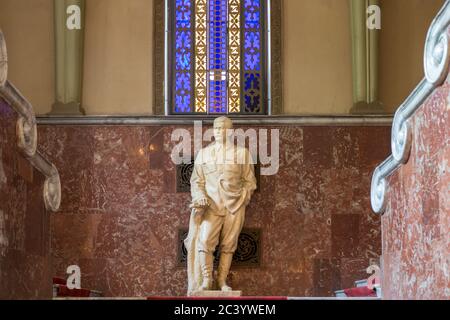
415 227
25 267
326 277
345 235
120 211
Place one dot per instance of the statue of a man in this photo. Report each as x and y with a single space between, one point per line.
222 183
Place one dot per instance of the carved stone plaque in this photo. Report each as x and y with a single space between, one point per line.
248 253
184 172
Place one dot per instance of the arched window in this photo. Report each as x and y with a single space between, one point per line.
217 57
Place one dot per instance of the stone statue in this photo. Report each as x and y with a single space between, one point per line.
222 183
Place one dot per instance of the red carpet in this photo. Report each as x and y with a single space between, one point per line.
360 292
58 280
62 290
209 298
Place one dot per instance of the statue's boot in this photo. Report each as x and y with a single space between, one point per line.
223 270
206 262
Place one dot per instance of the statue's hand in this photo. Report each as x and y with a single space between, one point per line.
202 203
199 208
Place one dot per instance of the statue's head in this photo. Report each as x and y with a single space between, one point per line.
221 124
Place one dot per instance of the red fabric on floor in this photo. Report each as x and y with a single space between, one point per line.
360 292
58 280
208 298
64 291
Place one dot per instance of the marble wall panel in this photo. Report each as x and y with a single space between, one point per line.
25 263
120 211
415 227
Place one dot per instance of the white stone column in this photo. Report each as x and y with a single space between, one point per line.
364 59
69 46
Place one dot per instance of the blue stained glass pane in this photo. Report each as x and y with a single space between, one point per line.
218 15
183 13
252 46
252 87
183 56
183 50
252 59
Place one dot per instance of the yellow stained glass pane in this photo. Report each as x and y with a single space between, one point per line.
200 55
234 55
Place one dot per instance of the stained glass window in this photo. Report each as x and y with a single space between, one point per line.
217 55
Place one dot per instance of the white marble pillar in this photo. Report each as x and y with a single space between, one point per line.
364 59
69 46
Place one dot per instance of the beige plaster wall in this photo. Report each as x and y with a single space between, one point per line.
119 53
317 74
402 38
28 29
118 57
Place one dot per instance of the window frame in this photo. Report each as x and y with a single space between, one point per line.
273 63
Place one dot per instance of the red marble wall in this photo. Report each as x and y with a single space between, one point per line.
416 242
25 266
120 212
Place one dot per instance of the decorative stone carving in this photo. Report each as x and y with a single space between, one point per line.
184 172
436 65
436 58
52 192
26 136
379 185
